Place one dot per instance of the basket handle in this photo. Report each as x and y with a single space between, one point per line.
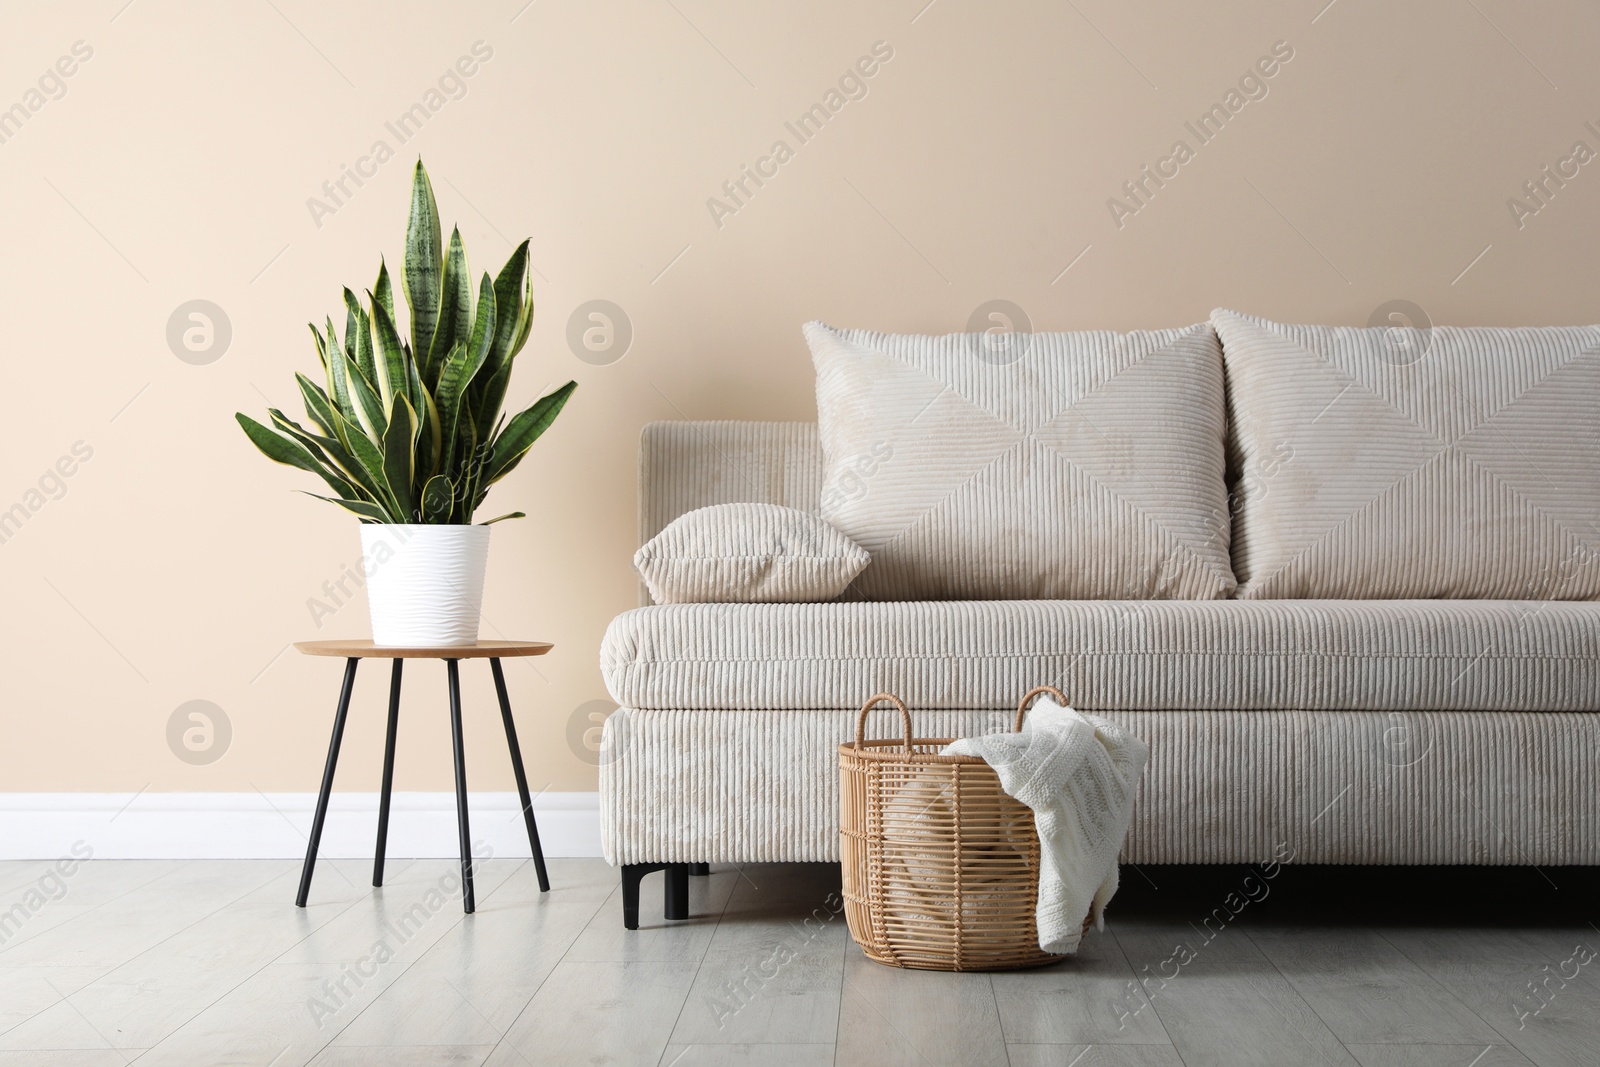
872 702
1027 701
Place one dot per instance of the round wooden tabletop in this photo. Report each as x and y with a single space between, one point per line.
476 650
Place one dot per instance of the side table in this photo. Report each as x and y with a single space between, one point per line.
353 653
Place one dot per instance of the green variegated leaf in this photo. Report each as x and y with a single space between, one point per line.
322 346
513 310
350 321
284 424
490 393
341 464
452 380
392 366
431 437
276 447
368 512
482 480
370 411
380 376
330 337
381 293
358 337
503 518
437 498
471 466
481 339
318 408
455 310
339 381
424 262
370 460
508 301
281 449
523 430
399 456
525 320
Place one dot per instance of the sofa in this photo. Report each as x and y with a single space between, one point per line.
1289 716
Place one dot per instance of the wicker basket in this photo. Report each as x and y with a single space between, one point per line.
940 866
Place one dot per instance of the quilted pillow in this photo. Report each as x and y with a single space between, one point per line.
1085 466
748 553
1462 462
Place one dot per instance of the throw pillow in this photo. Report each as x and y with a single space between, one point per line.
1077 466
1411 463
748 553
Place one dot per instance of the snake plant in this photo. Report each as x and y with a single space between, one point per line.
411 431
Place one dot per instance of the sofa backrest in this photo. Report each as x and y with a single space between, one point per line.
688 465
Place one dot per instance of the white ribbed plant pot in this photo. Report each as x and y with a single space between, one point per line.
424 582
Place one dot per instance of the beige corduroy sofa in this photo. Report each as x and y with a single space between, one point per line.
1444 731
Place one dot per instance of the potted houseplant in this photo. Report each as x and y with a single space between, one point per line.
408 434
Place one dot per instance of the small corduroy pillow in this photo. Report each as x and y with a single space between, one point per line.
749 554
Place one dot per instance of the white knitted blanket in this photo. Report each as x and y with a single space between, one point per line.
1078 773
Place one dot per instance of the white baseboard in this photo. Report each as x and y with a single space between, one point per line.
276 825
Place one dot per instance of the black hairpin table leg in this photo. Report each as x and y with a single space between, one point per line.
388 774
327 781
522 777
453 670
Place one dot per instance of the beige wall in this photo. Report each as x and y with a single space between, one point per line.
178 163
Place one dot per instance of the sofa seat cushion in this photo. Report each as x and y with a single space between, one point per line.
1483 655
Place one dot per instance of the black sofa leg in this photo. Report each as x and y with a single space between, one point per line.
700 870
632 873
677 891
676 903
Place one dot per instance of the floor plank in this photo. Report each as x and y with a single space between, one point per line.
144 1000
413 1056
1091 998
891 1017
1565 948
94 882
1094 1056
1492 1055
598 1012
413 909
283 1015
748 1056
146 915
27 991
288 1011
1367 990
1227 1006
65 1058
1490 970
59 1026
571 881
469 986
767 977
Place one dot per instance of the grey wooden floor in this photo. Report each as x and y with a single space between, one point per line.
209 963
